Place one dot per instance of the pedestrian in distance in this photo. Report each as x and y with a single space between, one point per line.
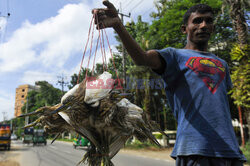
197 85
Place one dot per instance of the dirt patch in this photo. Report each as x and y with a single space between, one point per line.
9 163
10 158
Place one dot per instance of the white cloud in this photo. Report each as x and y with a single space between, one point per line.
30 77
49 43
6 104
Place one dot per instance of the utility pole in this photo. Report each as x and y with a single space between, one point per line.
61 81
123 48
4 116
26 111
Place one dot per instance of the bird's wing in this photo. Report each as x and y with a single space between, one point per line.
81 130
118 143
65 117
135 118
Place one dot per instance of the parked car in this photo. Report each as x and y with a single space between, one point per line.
13 137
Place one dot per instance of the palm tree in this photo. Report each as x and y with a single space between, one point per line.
238 18
237 8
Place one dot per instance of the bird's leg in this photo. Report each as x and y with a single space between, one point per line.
56 137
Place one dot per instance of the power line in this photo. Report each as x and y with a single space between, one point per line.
126 4
147 11
136 5
6 17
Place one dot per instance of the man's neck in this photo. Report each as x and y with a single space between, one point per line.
197 47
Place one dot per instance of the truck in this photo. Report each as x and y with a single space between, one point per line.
5 133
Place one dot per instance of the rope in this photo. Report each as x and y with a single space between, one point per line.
119 82
102 45
85 49
105 60
101 40
90 49
95 55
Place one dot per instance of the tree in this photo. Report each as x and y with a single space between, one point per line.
240 56
47 95
74 77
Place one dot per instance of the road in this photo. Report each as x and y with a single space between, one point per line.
63 154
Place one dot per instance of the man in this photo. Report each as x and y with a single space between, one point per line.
197 83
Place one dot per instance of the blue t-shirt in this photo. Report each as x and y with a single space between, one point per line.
197 84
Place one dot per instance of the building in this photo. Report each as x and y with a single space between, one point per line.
21 94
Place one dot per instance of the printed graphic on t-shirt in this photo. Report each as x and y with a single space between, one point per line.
211 71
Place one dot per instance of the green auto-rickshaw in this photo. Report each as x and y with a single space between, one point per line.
81 141
39 137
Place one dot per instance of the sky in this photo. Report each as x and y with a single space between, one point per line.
44 39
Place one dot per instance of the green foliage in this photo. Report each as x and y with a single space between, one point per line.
47 95
165 30
246 152
241 75
74 77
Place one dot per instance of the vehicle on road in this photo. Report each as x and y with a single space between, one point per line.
5 133
13 137
39 137
28 135
81 141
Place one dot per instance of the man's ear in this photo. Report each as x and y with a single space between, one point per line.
183 29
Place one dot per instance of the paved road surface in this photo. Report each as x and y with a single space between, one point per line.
63 154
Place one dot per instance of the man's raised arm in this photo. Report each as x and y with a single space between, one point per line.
108 17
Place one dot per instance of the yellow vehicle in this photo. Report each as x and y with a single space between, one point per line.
5 134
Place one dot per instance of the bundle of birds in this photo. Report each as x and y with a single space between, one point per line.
102 115
106 120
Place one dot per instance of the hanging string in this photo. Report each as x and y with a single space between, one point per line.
85 49
119 81
102 45
105 60
101 40
90 52
93 68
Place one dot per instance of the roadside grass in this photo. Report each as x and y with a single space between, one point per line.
246 152
136 145
61 139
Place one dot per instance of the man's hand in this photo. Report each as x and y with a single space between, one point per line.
106 17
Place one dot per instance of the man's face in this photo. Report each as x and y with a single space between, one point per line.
199 27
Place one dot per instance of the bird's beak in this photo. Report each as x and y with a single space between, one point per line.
28 114
32 124
61 108
39 110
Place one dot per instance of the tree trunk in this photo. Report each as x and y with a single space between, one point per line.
247 113
238 19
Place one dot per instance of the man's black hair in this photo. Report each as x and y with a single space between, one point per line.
200 8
